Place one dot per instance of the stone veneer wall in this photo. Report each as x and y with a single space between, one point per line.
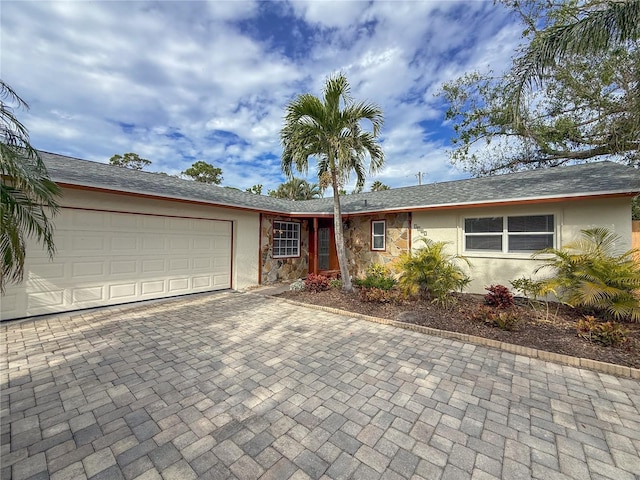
283 269
358 241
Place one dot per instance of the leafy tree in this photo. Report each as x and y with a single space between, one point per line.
129 160
586 107
297 189
27 195
204 172
329 129
378 186
603 26
255 189
589 273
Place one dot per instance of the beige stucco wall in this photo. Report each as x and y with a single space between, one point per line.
283 269
246 225
500 268
358 241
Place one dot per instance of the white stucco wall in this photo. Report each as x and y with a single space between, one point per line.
500 268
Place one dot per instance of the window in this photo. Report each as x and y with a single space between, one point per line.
525 233
286 239
378 228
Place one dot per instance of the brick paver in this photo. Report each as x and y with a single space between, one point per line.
234 385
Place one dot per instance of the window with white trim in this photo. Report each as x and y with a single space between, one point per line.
509 234
286 239
378 228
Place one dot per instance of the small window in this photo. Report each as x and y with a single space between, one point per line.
525 233
530 233
378 228
286 239
483 234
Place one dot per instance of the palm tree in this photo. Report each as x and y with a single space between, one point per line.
328 129
297 189
378 186
602 28
590 273
27 196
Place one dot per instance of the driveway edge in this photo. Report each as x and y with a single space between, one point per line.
603 367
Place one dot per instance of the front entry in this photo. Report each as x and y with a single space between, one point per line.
323 248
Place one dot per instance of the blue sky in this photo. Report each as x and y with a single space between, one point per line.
183 81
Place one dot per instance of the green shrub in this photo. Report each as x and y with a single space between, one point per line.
609 334
377 276
498 296
432 273
528 287
316 283
335 283
589 274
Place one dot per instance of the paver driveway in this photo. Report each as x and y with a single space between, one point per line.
240 386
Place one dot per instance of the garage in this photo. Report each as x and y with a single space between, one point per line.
114 257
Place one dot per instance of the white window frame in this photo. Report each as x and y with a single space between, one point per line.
383 235
505 234
290 240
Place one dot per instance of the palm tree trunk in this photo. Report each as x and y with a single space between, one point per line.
339 235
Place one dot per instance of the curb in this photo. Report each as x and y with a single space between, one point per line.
603 367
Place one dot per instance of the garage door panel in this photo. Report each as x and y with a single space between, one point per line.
87 244
220 280
106 258
48 270
123 267
123 291
153 265
179 265
152 287
91 295
200 263
88 269
179 243
222 244
203 243
202 282
178 284
125 244
151 243
51 298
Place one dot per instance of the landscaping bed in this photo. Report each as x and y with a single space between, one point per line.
555 332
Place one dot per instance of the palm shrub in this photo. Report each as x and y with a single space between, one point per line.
590 274
432 273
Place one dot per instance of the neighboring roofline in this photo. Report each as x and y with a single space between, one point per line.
443 206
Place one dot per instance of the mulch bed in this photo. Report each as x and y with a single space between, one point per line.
555 333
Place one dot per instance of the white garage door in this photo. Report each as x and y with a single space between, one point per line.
107 258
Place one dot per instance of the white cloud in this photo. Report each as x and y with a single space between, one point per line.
163 79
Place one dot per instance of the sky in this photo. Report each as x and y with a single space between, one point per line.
178 82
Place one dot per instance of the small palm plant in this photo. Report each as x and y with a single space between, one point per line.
588 273
432 273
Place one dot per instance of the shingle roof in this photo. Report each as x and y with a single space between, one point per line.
599 178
